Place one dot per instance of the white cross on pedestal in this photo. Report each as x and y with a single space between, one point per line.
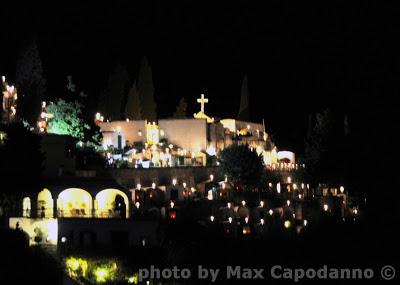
202 101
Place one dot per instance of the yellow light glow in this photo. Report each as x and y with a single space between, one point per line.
101 274
133 279
105 202
75 202
287 224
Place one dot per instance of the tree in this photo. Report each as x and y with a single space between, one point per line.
31 83
181 109
243 166
116 92
133 110
244 111
146 91
67 119
321 147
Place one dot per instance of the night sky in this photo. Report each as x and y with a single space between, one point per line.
299 57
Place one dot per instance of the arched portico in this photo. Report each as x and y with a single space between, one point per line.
26 207
45 204
74 203
112 203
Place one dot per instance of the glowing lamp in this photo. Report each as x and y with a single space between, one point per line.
243 203
305 222
230 220
153 185
271 212
326 207
246 230
246 220
212 218
184 184
211 177
137 205
287 224
172 204
262 221
229 205
261 204
341 189
172 215
288 202
101 274
289 180
138 186
174 181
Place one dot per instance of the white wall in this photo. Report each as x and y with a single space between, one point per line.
189 134
129 130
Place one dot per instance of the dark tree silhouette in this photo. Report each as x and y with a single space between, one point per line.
132 109
30 82
243 166
115 92
244 111
324 148
181 109
146 91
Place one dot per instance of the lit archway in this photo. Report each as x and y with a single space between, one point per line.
45 204
26 207
74 203
112 203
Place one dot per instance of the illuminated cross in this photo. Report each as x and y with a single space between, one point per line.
202 101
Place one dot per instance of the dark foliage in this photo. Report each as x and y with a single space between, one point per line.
243 166
31 83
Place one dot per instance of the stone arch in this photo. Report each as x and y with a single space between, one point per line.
108 206
74 203
45 204
26 207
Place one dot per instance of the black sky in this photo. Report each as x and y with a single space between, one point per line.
299 57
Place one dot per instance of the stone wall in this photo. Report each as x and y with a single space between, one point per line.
163 176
